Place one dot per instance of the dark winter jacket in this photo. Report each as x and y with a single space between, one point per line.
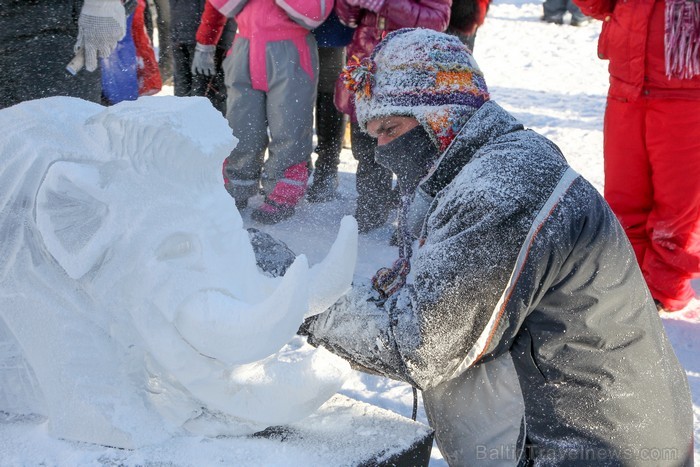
527 323
467 15
632 39
185 18
36 44
333 33
372 27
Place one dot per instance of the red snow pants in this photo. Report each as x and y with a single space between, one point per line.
652 183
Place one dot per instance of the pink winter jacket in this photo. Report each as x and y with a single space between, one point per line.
263 21
372 27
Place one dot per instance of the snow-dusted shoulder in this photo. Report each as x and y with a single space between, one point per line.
129 293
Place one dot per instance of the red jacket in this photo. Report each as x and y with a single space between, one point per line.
632 39
371 28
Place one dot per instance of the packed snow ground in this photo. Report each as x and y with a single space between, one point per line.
550 78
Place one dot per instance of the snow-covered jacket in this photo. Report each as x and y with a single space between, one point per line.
372 27
263 21
632 39
527 323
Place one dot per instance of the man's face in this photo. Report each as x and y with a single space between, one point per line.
387 129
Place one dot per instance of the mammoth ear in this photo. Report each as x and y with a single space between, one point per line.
71 218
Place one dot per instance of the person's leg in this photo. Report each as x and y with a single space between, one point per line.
212 87
182 66
553 11
373 183
673 225
165 48
329 127
290 101
216 87
628 188
577 16
247 118
470 40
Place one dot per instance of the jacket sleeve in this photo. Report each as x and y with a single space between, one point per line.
309 14
426 331
228 8
597 9
359 329
348 14
211 25
430 14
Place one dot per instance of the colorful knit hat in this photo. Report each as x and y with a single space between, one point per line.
420 73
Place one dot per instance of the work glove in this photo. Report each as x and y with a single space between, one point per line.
273 256
101 25
203 61
372 5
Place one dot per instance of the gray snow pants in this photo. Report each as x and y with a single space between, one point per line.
555 9
286 109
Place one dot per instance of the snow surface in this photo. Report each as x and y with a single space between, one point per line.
550 78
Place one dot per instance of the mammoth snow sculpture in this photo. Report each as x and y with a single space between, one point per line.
131 308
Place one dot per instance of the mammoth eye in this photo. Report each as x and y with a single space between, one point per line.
176 246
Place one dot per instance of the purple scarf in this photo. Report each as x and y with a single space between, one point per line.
682 38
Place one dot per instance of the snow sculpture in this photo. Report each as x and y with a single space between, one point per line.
130 304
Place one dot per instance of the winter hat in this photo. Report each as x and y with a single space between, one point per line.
419 73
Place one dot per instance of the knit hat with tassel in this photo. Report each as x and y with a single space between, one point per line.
420 73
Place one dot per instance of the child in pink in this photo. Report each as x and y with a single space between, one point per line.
271 76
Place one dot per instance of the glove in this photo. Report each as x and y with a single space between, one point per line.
387 281
203 61
271 255
101 25
372 5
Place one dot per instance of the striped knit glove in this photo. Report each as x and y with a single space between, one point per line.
101 25
387 281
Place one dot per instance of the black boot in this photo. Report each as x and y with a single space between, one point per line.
323 187
329 133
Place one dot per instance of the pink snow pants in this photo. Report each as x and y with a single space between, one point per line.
652 183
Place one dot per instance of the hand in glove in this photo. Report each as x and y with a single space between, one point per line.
372 5
271 255
203 61
101 25
387 281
